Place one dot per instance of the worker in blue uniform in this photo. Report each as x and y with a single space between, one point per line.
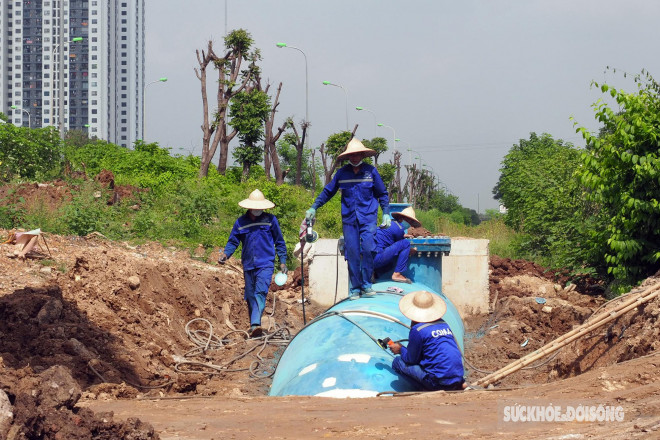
432 357
392 248
362 190
260 235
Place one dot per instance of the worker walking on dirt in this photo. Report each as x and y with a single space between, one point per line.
392 248
432 357
259 233
362 190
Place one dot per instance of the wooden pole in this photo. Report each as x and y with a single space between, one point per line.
601 319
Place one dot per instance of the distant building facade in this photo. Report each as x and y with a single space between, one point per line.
99 44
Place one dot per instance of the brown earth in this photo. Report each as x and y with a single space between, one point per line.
150 333
132 321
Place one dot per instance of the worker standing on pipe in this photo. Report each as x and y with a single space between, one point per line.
362 190
392 248
432 357
259 233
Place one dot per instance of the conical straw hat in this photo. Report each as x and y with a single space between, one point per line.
355 146
422 306
256 200
407 214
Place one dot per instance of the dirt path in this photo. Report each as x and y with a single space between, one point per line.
633 385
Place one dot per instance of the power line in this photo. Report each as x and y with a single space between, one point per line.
471 146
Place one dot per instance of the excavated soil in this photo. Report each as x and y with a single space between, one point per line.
531 307
96 325
122 321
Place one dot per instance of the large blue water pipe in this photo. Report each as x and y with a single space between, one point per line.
336 354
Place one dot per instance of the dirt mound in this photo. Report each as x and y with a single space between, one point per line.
44 407
531 306
131 321
419 231
48 196
118 192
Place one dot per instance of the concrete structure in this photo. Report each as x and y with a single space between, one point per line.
98 45
464 275
327 269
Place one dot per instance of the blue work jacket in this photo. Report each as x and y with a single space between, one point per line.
434 348
360 194
386 237
260 238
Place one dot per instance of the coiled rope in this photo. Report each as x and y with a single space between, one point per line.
205 341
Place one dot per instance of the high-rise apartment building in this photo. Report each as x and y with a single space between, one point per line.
99 47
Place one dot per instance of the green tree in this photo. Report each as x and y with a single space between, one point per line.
534 185
378 144
621 169
386 171
77 138
249 110
288 153
443 201
298 141
28 152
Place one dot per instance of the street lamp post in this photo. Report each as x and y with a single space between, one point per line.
281 45
60 109
144 101
410 150
328 83
28 113
393 134
419 156
374 115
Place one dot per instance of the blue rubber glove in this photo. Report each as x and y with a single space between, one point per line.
310 214
387 221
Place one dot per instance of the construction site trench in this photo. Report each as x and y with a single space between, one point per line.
115 322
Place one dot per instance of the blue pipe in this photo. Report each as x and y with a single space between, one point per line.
336 354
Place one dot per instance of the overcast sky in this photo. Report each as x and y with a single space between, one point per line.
458 81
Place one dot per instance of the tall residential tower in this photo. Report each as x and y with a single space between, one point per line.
97 44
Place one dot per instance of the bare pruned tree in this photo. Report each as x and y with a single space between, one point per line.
231 80
270 139
395 186
300 145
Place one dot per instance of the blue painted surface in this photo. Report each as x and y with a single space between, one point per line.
333 356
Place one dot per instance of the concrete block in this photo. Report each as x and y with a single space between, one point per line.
465 275
324 275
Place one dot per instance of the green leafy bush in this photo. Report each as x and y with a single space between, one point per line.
621 170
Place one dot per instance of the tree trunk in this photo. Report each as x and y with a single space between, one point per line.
214 127
313 172
300 146
267 163
270 139
207 129
246 170
396 184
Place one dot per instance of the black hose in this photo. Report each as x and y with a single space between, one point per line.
302 281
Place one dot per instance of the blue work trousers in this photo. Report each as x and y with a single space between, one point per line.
257 282
398 252
425 380
360 247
